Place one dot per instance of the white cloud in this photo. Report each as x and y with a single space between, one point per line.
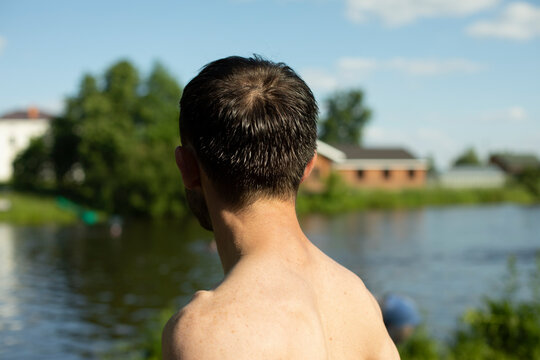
433 66
511 114
410 66
319 80
357 64
2 44
517 113
351 70
518 21
401 12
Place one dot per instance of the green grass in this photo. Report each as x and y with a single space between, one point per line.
30 209
342 199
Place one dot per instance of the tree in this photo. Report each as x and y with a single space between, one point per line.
530 179
346 116
113 146
468 157
32 169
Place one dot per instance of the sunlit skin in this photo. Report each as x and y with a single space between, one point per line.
281 298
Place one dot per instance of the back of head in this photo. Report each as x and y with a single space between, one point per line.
252 126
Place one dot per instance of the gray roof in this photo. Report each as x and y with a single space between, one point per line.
515 163
357 152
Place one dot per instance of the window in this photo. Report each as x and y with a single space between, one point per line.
360 174
386 174
411 174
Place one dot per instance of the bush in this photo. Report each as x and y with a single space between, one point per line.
502 329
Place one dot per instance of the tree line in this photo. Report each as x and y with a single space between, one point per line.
112 146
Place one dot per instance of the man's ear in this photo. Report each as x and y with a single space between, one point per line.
309 167
189 167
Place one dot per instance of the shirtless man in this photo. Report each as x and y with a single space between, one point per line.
248 129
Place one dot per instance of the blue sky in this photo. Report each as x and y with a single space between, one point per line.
440 75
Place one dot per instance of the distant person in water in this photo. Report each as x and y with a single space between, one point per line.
248 128
401 317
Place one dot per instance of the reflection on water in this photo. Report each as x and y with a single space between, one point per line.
76 292
66 293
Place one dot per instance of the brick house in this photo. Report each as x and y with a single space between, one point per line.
386 168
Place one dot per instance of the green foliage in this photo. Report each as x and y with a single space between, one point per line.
530 179
338 198
469 157
152 344
501 329
504 328
113 147
419 347
345 118
32 169
511 330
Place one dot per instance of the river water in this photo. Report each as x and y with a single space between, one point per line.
77 293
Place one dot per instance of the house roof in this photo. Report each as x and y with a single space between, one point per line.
30 113
515 163
357 152
356 157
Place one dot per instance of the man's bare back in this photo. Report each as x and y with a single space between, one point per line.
302 306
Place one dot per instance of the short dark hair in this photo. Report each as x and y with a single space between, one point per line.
252 124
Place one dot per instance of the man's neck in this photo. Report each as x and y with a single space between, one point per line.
268 226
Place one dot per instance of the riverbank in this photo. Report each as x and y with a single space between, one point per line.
36 209
340 199
31 209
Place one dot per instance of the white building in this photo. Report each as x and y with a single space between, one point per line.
470 176
16 130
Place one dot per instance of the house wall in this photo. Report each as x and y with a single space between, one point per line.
371 178
375 178
472 179
321 170
15 135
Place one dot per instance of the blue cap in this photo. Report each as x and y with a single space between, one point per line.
399 311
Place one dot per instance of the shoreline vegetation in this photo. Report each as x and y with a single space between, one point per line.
31 208
337 197
344 200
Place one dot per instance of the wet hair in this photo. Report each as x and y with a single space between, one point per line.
252 124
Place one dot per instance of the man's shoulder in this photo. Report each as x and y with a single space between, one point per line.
350 308
189 326
222 325
216 327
